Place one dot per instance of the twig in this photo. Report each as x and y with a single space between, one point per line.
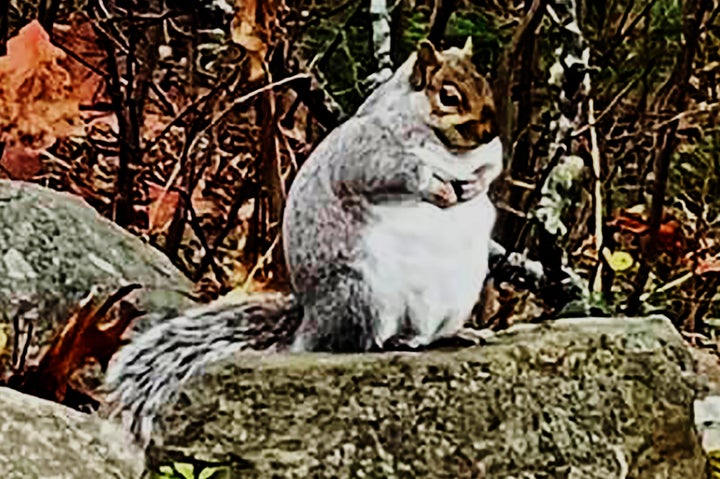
130 135
677 99
623 20
324 115
261 261
707 109
508 66
626 31
188 110
162 99
26 346
249 190
18 358
239 101
440 17
319 61
608 109
123 47
659 126
622 32
195 225
597 197
144 18
177 169
667 286
85 63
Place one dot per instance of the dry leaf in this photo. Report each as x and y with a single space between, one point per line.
251 28
162 207
79 35
37 100
86 336
20 163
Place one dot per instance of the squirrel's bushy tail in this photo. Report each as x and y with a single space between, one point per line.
147 373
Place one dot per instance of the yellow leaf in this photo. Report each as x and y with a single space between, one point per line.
252 35
618 260
637 209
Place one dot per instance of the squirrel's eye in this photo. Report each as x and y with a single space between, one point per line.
449 96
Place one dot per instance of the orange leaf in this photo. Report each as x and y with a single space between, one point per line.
37 101
20 163
252 27
84 337
630 223
162 207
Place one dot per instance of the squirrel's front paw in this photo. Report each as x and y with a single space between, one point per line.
466 190
441 193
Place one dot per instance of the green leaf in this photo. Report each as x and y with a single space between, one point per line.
165 472
214 473
185 470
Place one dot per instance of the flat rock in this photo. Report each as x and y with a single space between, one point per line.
41 440
579 398
54 248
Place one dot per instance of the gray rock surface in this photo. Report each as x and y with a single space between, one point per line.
707 407
54 248
582 398
41 440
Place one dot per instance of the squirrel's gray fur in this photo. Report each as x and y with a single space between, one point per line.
386 234
145 375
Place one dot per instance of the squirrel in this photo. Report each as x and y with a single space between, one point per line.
386 234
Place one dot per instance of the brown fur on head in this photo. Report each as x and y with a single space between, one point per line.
462 110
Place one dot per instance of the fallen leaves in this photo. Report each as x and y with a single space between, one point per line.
88 336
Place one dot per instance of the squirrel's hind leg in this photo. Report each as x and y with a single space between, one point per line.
338 318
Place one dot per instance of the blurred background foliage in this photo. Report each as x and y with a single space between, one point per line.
200 164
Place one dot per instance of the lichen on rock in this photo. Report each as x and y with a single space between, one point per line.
590 398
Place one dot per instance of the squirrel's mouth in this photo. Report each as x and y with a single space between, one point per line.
465 137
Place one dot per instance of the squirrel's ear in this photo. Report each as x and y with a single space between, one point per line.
468 48
427 60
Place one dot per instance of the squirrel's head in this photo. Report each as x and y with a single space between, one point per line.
460 100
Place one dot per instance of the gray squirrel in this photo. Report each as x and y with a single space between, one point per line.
386 235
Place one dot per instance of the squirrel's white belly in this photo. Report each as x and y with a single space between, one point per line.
426 264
